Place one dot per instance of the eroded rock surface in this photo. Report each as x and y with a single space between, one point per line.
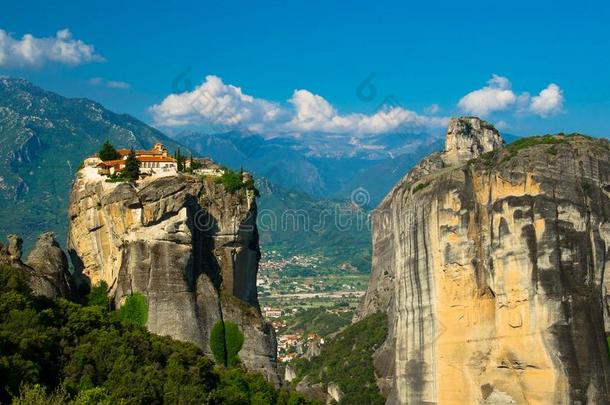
46 267
494 273
468 138
185 243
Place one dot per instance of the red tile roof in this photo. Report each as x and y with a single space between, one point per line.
109 163
153 155
155 159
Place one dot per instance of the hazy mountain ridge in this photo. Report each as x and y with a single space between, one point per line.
323 165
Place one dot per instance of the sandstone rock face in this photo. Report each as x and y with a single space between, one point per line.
14 247
314 391
313 349
494 274
46 268
468 138
334 393
185 243
290 373
51 264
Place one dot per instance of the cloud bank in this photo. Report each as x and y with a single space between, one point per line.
499 96
30 51
224 106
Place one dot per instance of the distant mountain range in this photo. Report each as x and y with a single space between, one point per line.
322 165
43 139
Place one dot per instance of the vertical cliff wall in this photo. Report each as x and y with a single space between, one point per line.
492 263
184 242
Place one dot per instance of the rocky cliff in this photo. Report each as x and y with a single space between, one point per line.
492 262
46 268
184 242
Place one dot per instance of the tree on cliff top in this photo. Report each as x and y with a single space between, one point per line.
232 180
108 152
132 167
194 164
180 160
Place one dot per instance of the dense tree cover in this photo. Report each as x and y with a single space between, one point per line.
226 340
347 361
319 320
132 167
56 351
108 152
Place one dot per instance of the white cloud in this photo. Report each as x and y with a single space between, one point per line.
217 104
548 102
498 96
111 84
223 106
313 112
30 51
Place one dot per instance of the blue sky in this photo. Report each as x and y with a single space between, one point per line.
427 55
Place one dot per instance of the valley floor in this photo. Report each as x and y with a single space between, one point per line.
307 298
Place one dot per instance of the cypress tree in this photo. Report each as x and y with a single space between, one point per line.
132 167
108 152
180 161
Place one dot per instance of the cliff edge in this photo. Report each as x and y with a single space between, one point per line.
184 242
492 264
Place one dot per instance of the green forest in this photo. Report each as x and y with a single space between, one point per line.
63 352
347 361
